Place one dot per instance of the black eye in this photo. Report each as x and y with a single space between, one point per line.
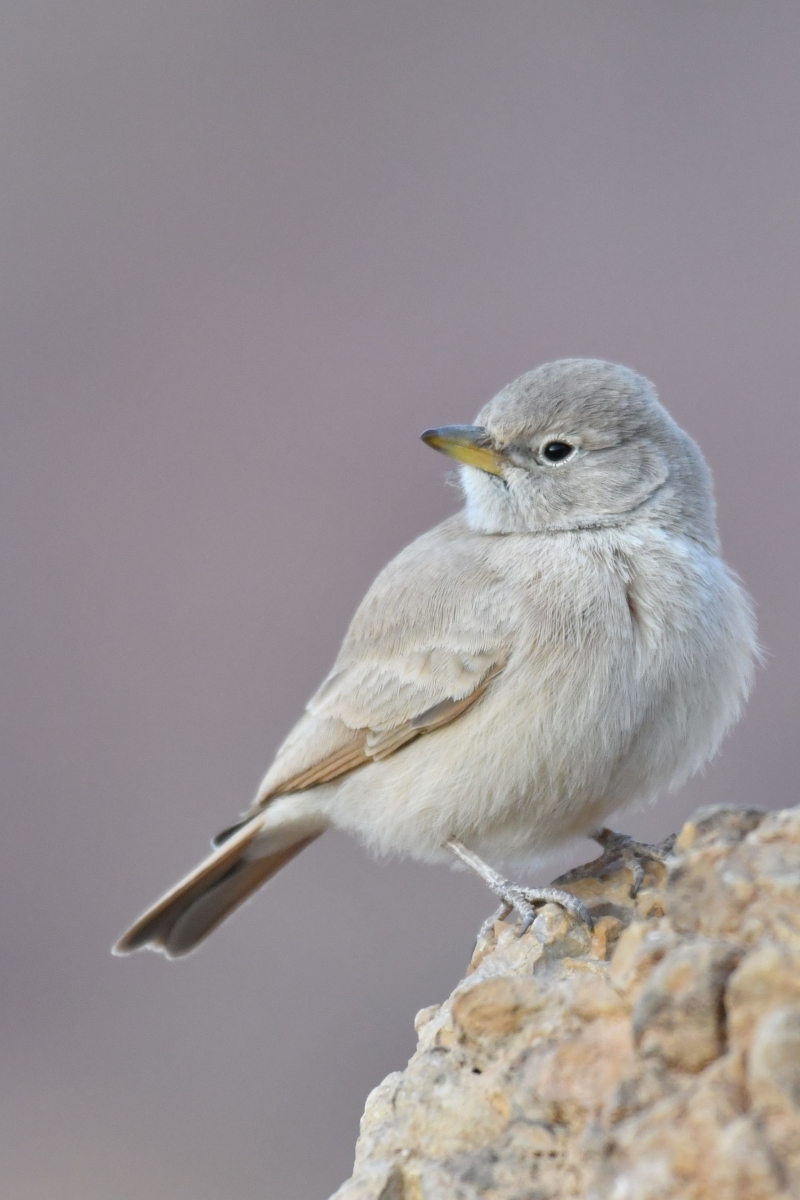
556 451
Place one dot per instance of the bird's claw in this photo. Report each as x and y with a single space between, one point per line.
619 849
525 900
489 924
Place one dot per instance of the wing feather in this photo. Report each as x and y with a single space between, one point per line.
425 643
351 755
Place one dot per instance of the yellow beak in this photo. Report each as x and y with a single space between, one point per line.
469 444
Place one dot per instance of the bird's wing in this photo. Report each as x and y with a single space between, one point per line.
427 640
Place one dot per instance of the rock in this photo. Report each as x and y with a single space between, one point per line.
497 1007
773 1069
679 1014
656 1059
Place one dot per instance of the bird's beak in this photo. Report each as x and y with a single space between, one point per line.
471 444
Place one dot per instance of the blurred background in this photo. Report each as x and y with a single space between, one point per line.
250 249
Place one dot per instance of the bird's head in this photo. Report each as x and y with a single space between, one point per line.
577 444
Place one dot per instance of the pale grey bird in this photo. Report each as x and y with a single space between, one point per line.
567 644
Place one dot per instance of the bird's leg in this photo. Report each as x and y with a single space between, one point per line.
619 849
512 895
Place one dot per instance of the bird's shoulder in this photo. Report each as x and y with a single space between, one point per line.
430 628
451 572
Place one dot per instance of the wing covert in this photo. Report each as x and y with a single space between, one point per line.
425 643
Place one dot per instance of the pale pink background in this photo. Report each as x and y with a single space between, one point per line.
249 251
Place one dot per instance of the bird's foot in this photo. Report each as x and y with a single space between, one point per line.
513 896
619 849
526 899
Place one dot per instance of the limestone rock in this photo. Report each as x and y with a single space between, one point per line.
656 1059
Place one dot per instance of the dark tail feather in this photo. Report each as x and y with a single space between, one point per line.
227 833
189 911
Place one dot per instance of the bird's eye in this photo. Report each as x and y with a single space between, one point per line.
556 451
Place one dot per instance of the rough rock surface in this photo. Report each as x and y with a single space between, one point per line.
658 1058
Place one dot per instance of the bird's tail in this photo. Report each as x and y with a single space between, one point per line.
181 919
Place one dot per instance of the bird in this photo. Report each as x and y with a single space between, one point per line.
568 643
